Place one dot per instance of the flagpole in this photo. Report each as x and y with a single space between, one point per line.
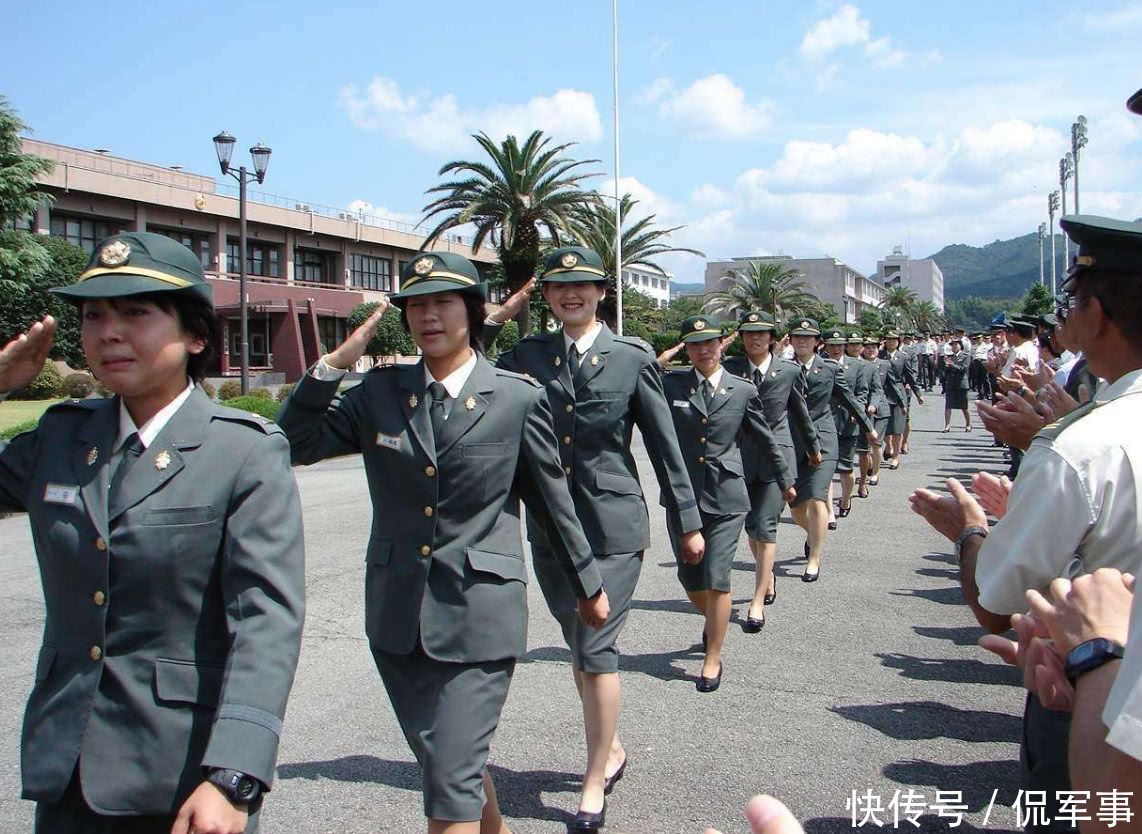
618 203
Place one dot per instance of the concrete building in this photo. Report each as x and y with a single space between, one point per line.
923 277
649 282
832 281
307 265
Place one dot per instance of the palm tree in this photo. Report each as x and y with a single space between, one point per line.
525 188
898 303
927 316
764 285
594 228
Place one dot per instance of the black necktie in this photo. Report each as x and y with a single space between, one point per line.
439 394
707 393
805 373
129 455
573 361
758 376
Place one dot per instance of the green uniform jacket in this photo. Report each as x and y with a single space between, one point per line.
172 622
856 381
619 387
783 398
709 439
956 374
445 561
874 376
900 373
825 382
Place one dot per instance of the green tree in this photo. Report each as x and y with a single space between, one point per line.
1037 301
679 309
897 305
21 256
975 313
764 285
871 320
24 302
523 189
390 339
594 228
926 316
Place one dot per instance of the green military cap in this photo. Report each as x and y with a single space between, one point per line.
855 338
572 264
804 327
700 329
1049 320
892 334
835 337
1134 103
871 339
1022 324
755 321
431 272
1103 244
134 263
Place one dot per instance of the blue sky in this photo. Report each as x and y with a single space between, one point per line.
806 128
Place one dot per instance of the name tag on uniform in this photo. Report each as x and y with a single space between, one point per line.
57 494
388 441
681 404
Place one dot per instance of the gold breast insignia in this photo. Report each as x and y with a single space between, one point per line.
162 460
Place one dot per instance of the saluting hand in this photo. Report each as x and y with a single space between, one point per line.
24 357
208 811
729 340
693 547
594 612
513 304
353 348
669 354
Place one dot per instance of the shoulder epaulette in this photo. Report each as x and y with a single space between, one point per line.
246 418
635 341
530 380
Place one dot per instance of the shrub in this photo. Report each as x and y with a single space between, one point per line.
262 393
506 341
257 405
19 428
229 389
102 390
47 384
285 391
79 386
208 388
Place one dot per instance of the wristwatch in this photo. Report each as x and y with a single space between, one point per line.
1086 657
968 531
239 788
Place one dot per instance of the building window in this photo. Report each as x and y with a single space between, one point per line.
400 267
261 258
330 332
83 233
370 273
310 265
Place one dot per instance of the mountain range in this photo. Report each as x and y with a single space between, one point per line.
1003 269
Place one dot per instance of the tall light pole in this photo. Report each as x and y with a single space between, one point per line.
1078 140
1066 169
1052 207
224 147
618 201
1042 238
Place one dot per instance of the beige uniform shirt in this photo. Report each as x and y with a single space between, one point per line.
1075 505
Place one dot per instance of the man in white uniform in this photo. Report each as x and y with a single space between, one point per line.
1075 507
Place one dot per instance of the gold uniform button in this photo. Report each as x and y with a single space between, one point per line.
100 544
430 471
570 408
428 511
99 597
704 421
425 550
567 469
96 653
701 440
701 459
566 440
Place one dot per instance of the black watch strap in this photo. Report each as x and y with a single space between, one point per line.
1088 656
239 787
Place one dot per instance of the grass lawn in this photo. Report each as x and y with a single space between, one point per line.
13 412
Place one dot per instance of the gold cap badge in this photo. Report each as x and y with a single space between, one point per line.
423 266
115 253
162 460
558 362
753 316
569 260
804 324
699 325
413 400
93 456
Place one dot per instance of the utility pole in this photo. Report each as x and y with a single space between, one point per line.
1042 239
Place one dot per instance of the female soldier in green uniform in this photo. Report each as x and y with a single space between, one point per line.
601 386
450 446
712 409
168 533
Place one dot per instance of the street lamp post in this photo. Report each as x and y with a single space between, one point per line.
618 200
224 147
1066 170
1078 140
1042 238
1052 207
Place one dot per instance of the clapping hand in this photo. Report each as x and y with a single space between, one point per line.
949 515
1040 661
353 348
1057 402
1013 421
992 492
24 357
1034 379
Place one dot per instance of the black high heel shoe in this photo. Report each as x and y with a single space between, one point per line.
586 822
609 782
771 598
704 684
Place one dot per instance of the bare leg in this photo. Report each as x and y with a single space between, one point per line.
717 621
829 505
618 754
764 554
907 431
947 419
449 827
816 519
602 703
876 456
492 821
698 599
967 420
847 483
864 462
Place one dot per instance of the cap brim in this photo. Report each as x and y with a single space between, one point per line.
701 337
118 285
575 276
430 286
756 327
797 331
1134 103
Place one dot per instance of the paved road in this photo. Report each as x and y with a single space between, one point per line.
868 680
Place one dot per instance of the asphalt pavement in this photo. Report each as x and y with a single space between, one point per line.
868 681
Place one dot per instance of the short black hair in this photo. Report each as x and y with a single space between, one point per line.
1119 293
477 313
195 317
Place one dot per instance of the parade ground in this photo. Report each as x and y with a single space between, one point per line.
868 681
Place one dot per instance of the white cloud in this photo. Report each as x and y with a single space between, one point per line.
649 201
658 89
369 210
882 53
441 125
844 28
711 108
1127 17
827 78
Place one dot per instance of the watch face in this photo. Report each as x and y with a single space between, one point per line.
247 787
1084 652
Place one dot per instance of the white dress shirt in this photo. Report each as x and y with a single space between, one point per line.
150 429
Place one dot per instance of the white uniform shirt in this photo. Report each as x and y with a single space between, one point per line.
982 350
1122 713
150 429
787 352
928 347
1075 506
1029 350
764 367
